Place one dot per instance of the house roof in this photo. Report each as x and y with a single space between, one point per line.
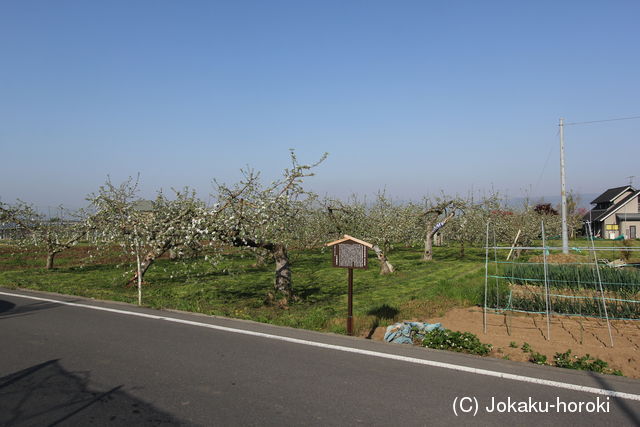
610 194
602 214
142 205
593 214
628 216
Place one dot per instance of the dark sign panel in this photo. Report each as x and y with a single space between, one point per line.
350 255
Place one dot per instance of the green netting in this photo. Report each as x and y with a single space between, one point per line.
572 289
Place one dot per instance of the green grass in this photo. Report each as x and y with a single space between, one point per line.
235 288
417 291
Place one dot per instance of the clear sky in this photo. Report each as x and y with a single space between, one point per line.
411 96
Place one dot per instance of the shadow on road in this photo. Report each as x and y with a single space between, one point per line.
629 412
9 309
6 306
47 394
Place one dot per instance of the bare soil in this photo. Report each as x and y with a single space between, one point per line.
581 335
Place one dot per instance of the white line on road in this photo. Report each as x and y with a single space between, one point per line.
444 365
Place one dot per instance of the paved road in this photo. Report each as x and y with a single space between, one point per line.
74 365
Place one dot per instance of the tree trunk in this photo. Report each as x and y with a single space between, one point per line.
261 259
139 275
283 283
462 249
428 248
50 257
432 229
385 265
144 266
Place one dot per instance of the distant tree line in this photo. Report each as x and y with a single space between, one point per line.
269 219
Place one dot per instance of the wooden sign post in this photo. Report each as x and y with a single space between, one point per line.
350 253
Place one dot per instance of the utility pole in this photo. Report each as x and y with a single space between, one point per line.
563 193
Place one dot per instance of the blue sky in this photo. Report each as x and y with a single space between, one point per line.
413 96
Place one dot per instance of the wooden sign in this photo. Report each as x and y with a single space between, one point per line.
350 253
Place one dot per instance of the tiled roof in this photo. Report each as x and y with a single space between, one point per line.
593 214
610 194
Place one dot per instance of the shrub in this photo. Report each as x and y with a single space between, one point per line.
584 363
464 342
538 358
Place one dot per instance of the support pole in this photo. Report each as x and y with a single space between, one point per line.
604 303
486 278
563 193
350 304
515 241
495 264
546 282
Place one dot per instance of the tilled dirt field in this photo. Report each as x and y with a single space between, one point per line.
580 335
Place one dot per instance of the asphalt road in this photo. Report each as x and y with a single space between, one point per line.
74 365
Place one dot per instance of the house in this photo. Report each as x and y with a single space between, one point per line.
616 213
142 205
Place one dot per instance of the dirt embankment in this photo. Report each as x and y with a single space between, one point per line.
581 335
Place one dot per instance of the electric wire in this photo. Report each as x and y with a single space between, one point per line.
601 121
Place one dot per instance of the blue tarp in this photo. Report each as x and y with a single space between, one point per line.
406 332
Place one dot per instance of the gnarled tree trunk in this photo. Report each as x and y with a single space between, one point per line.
432 228
385 265
428 248
50 258
144 266
283 283
148 260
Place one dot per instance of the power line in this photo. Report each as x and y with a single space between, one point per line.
605 120
544 168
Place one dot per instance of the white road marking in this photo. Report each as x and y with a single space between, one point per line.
461 368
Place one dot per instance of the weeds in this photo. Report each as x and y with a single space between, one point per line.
584 363
538 358
465 342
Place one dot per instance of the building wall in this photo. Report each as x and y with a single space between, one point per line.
610 224
630 207
625 227
622 196
610 227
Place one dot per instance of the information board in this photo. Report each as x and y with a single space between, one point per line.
350 255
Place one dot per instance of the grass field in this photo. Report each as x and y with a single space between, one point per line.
236 288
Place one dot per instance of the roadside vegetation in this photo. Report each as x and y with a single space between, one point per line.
568 360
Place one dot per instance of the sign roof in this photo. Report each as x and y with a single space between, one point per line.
346 237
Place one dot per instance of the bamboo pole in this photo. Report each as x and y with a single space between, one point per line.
604 303
546 283
515 241
486 278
